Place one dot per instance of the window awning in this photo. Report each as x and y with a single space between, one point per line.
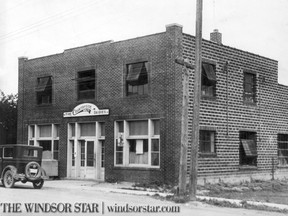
249 147
134 71
43 83
210 72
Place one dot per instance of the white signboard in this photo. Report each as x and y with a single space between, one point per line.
86 109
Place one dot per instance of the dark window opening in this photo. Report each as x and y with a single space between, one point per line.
86 84
208 80
44 90
249 85
248 148
282 140
207 141
137 79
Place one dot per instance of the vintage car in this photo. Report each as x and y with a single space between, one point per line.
21 163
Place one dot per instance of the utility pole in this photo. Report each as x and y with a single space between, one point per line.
196 108
184 128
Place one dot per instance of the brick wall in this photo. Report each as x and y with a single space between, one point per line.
109 60
229 115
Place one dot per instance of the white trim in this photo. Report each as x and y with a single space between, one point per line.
127 137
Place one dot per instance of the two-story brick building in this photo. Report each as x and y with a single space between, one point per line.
112 110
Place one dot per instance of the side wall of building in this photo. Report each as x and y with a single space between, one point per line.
229 115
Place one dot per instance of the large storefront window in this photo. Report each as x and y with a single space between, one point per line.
137 143
46 136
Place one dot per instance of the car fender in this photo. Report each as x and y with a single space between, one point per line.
9 167
43 174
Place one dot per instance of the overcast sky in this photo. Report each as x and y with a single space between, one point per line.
35 28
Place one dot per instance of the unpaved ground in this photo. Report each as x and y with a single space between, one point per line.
264 191
72 192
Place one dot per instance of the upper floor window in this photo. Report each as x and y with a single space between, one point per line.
44 90
249 87
86 84
137 79
208 80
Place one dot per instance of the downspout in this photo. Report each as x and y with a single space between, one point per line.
227 98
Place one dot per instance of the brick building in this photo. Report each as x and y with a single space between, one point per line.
112 110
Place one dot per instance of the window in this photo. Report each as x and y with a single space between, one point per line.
208 80
137 79
283 149
8 152
119 142
207 141
44 90
46 136
86 84
87 129
102 144
137 143
249 87
248 148
30 153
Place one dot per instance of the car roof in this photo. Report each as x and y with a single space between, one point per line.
20 145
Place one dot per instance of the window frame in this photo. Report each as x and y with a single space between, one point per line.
282 141
206 80
126 148
247 95
211 145
81 80
54 138
126 83
47 91
243 158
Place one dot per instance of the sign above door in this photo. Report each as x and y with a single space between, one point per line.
86 109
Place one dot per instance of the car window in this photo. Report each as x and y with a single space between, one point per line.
1 152
30 153
8 152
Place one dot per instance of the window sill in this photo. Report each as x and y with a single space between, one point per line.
86 99
207 154
136 96
44 105
207 97
248 167
250 103
135 168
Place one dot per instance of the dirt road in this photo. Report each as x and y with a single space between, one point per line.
67 197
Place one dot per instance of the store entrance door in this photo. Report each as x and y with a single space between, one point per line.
87 159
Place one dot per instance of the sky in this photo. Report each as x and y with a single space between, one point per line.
35 28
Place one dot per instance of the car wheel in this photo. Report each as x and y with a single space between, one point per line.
38 184
8 180
33 171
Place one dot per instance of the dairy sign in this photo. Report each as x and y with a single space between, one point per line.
86 109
